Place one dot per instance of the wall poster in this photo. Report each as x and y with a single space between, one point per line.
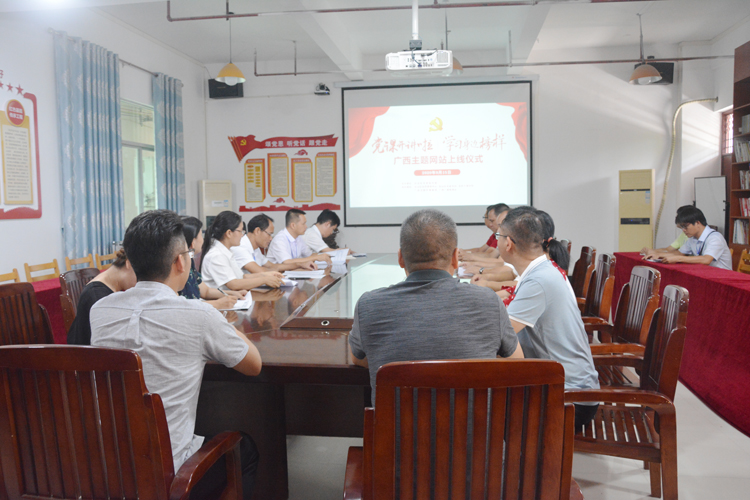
278 174
325 174
290 172
255 180
302 179
20 190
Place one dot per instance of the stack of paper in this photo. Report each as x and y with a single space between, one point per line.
339 256
242 304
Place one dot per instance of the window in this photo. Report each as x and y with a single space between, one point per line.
727 132
138 160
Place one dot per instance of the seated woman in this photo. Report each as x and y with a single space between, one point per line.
116 278
194 287
218 266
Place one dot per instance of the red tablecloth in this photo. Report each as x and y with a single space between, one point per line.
48 294
716 360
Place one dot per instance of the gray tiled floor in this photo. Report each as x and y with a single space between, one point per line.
713 461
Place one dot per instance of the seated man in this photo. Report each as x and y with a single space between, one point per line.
249 257
676 244
703 246
174 336
544 311
489 249
430 315
327 224
289 244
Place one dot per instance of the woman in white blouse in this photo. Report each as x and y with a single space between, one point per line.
218 268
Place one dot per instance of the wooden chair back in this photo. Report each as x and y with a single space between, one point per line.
71 286
743 265
88 260
582 271
78 422
22 319
101 259
12 276
42 267
601 288
639 299
661 361
521 440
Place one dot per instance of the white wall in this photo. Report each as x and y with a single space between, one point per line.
588 124
27 58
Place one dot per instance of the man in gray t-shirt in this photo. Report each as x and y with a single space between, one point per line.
544 311
430 315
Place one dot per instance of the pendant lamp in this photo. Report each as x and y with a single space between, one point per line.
644 73
230 74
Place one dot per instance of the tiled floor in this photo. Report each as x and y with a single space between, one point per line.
713 461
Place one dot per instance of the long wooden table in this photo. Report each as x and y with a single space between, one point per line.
716 358
307 385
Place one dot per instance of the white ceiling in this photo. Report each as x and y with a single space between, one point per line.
346 38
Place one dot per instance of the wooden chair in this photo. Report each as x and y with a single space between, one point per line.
88 260
743 265
648 431
639 299
12 276
516 404
71 286
90 429
582 274
101 259
22 319
601 287
42 267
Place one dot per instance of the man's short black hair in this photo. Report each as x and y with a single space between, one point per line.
524 226
497 209
689 214
329 216
152 241
292 216
261 221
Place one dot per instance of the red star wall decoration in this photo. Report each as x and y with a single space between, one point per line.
19 89
1 85
10 88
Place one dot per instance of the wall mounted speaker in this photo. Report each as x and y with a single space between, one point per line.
219 90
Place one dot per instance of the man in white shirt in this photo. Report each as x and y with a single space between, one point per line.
289 244
250 258
326 225
175 337
703 246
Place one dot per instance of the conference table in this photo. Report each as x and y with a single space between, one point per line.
716 357
308 385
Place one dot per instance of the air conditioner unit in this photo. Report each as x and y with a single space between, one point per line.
215 197
420 63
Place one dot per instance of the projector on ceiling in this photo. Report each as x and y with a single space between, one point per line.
420 63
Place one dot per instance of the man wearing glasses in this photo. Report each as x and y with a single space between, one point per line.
703 246
175 337
250 258
290 244
327 224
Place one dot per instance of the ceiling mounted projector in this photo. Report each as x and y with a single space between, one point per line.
420 63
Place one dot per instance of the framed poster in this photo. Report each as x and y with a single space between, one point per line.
20 189
255 180
278 174
325 174
302 179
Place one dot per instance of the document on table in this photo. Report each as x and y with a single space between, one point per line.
339 269
463 273
304 274
242 305
338 256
